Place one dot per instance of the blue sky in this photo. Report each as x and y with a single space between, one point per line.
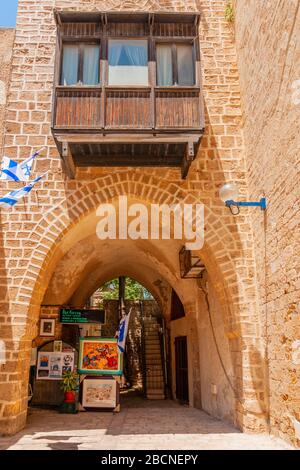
8 12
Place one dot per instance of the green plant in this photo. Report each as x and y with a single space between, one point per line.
229 13
133 291
69 381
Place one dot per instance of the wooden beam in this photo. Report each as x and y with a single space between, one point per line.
99 138
127 160
68 160
57 17
187 159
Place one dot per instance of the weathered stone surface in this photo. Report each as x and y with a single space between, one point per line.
269 64
6 47
49 253
141 425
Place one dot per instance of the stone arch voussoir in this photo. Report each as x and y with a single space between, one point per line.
57 223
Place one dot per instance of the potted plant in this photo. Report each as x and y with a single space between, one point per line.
69 385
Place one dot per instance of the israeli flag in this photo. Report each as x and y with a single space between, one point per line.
11 198
13 171
122 332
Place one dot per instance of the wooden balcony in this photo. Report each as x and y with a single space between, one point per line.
132 126
109 125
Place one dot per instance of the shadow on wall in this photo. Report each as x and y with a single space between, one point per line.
259 377
10 391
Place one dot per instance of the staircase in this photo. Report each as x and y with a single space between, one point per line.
153 360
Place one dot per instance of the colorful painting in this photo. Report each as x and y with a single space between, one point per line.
99 356
99 393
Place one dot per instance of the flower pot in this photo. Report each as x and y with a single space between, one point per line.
69 397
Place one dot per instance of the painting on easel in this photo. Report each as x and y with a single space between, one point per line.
99 356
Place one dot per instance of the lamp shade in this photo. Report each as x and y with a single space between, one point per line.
228 192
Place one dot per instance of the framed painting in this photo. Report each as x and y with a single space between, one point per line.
47 327
100 356
57 346
99 392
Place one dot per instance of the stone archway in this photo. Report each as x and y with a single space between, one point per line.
66 225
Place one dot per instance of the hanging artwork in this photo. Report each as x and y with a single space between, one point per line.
57 346
99 356
52 365
47 327
55 370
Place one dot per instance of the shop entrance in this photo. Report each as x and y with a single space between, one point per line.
145 358
137 277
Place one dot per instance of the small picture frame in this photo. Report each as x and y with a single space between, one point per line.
57 346
47 327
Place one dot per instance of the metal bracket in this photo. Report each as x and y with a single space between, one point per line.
187 159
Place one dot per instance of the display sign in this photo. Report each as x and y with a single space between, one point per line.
52 365
78 315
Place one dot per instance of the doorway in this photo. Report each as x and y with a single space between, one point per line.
181 361
145 352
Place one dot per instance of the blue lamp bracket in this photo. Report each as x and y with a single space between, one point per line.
262 203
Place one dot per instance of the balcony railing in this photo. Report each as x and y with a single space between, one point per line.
127 108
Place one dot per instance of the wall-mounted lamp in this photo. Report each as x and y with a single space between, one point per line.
229 194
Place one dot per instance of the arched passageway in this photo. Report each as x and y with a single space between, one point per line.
77 262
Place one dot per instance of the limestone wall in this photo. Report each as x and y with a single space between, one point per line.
218 386
40 232
6 46
268 47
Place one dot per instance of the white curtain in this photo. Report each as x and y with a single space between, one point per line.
114 52
91 65
128 62
185 62
164 65
70 65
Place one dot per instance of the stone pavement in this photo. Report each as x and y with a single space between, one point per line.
141 424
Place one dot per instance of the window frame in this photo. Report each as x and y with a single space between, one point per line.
80 44
106 58
173 42
103 45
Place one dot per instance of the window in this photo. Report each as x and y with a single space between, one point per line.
175 64
127 62
80 65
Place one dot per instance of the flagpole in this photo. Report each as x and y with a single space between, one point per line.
122 315
33 155
122 307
